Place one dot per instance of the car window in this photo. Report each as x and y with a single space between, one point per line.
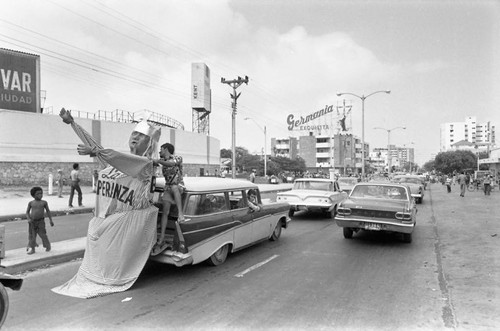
380 192
312 185
236 199
202 204
348 181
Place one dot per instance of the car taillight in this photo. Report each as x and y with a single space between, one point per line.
343 211
403 216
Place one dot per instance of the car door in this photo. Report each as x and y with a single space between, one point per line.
262 223
243 234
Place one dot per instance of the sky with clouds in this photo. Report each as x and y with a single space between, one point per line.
440 59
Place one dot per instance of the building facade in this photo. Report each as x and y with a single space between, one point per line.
399 157
342 151
478 134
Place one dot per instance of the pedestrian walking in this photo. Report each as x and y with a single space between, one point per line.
462 181
448 184
75 186
252 176
59 182
35 214
487 184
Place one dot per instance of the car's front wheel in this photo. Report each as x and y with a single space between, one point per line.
219 256
348 233
277 232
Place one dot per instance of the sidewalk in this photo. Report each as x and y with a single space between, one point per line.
13 203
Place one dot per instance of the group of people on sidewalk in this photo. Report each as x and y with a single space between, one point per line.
464 181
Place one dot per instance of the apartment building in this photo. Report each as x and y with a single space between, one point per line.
342 151
477 134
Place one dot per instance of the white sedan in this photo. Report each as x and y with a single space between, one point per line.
313 194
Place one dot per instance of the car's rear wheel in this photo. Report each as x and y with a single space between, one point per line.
291 212
277 232
219 256
348 233
407 238
4 304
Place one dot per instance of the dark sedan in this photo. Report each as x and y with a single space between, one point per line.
378 207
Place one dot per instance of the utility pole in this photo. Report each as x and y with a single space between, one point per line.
235 83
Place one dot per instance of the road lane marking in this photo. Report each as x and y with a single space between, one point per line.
255 266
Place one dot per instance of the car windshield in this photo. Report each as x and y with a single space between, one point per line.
348 181
379 191
409 180
313 185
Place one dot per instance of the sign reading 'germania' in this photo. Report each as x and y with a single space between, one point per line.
296 123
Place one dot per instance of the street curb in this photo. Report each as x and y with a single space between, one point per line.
49 260
17 217
17 260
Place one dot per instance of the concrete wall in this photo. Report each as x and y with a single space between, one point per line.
34 145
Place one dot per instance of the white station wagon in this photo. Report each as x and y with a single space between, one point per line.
218 221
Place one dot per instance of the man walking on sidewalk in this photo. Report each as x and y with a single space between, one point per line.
487 184
462 181
75 186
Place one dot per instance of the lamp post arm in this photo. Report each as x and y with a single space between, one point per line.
348 93
382 91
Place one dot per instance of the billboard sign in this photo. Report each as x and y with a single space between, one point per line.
331 119
19 81
200 87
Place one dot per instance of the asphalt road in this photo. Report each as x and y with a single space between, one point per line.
311 279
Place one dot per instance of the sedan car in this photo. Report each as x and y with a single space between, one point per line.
219 220
415 183
378 207
347 183
312 194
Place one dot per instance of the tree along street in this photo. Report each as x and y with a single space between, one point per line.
312 278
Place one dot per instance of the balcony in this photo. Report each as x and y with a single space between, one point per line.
323 145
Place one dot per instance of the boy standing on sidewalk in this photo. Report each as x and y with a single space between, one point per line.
35 215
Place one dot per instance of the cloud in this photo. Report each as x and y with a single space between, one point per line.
428 67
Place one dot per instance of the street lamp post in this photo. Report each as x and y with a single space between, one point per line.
407 155
363 98
389 154
265 142
235 83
